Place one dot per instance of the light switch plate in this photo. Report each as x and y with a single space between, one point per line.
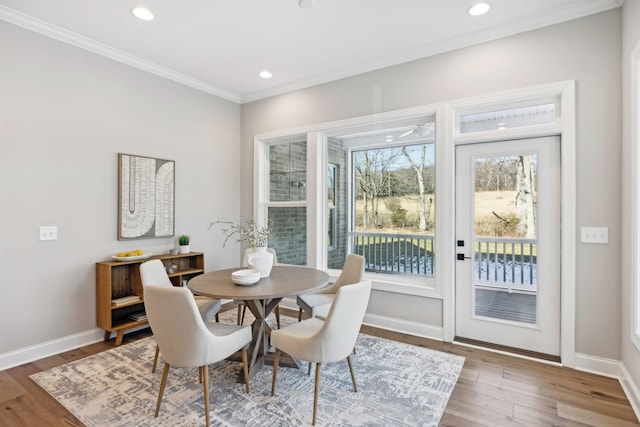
48 232
594 235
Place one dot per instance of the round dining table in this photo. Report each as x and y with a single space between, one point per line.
261 298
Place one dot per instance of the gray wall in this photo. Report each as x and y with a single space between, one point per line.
65 113
587 50
630 39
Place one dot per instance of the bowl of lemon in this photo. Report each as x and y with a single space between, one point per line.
134 255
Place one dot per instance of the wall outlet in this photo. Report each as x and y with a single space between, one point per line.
594 235
48 232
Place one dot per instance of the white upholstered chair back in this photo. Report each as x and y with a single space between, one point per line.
186 341
153 273
338 336
352 272
180 331
328 340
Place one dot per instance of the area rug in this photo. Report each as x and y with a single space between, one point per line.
398 385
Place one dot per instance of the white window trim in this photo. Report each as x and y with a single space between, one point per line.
635 196
446 138
316 136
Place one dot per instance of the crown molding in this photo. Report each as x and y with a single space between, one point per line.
69 37
577 10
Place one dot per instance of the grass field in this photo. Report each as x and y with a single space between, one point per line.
501 202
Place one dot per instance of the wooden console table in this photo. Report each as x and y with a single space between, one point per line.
121 279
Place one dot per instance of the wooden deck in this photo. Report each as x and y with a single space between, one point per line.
500 304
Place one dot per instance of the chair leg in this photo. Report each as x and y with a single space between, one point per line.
315 393
217 318
300 315
276 360
165 373
244 311
277 310
353 375
204 373
245 368
309 369
155 359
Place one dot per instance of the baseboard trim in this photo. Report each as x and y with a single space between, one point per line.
49 348
598 365
404 326
631 389
389 323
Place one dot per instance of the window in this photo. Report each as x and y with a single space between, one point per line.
635 141
286 207
392 195
508 118
332 217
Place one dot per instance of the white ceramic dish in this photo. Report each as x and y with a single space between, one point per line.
246 277
131 258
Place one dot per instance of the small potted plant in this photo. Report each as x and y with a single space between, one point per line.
183 241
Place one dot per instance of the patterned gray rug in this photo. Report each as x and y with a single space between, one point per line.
399 384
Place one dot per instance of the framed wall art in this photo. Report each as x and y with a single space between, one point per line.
146 189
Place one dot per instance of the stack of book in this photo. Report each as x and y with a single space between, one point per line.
125 300
141 315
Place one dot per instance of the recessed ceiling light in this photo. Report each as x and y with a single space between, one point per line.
265 74
306 4
478 9
142 13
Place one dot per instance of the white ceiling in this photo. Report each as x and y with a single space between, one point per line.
220 46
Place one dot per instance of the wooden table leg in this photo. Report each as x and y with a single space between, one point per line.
119 336
260 351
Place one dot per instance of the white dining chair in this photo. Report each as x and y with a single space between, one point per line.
242 307
186 340
327 340
153 272
319 302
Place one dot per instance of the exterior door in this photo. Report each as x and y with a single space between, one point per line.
508 244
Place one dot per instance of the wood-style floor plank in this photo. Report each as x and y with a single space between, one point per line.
493 390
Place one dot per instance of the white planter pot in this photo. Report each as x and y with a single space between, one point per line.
184 249
261 260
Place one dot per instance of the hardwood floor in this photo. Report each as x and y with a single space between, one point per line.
493 390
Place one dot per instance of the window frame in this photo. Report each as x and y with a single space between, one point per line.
332 219
635 171
351 149
317 214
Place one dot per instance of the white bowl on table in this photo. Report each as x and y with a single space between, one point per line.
246 277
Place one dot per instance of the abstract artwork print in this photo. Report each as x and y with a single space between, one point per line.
145 197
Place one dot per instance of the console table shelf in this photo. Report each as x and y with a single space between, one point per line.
118 279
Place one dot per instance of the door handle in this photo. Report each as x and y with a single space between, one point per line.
461 257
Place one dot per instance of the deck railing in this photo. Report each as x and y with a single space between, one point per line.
498 262
506 262
411 254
